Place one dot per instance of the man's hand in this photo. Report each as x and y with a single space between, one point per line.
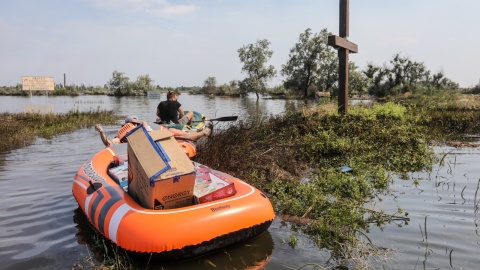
98 128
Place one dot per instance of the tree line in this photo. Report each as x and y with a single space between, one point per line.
312 67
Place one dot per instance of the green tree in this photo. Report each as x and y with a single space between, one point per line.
119 84
404 75
376 75
254 58
210 85
229 89
143 84
357 81
312 64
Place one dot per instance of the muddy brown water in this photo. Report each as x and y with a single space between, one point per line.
42 228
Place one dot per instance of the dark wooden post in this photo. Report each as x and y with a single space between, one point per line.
344 47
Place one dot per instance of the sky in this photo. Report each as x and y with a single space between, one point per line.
182 43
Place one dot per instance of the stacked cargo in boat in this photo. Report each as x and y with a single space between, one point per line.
154 203
161 176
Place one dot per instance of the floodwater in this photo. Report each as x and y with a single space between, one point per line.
42 228
444 227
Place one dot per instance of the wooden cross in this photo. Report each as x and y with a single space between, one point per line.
344 47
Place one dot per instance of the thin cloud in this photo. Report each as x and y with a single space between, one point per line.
399 41
180 9
154 7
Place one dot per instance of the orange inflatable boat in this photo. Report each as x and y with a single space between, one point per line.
170 234
188 147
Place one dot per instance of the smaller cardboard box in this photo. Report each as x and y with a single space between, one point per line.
211 185
160 175
120 175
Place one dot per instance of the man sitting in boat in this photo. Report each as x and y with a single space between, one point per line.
170 111
132 121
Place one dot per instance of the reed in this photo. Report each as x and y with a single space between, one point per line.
21 129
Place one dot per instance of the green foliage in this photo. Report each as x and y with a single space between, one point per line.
143 84
313 67
120 85
209 85
331 204
311 63
293 241
231 89
388 109
279 91
59 90
254 58
13 91
447 116
405 75
23 128
381 138
64 92
474 90
380 135
295 158
357 81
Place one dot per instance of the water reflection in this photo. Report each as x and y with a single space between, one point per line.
254 254
145 108
443 231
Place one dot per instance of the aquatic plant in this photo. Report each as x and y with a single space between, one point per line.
22 129
297 158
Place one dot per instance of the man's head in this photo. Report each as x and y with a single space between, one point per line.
172 95
131 119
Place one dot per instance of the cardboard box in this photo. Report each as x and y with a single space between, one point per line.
120 174
120 159
160 175
211 185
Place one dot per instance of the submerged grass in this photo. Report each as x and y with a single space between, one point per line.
22 129
296 159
